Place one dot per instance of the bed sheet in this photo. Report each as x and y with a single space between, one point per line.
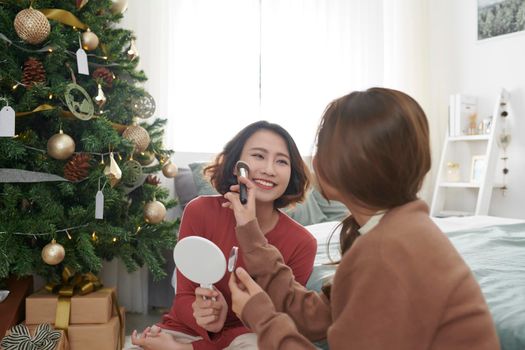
494 249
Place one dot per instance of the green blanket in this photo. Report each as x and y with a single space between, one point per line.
496 256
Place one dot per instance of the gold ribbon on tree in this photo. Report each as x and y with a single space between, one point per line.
45 107
64 17
81 284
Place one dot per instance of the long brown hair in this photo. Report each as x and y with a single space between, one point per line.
221 174
373 147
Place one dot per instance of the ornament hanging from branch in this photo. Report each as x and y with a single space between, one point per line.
118 6
53 253
60 146
133 52
169 169
100 99
89 40
112 171
79 102
145 158
34 73
154 212
138 136
32 26
144 107
131 173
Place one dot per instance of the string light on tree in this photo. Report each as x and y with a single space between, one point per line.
53 253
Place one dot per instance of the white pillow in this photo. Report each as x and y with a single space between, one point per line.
322 232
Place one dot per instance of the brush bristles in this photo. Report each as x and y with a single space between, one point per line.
242 168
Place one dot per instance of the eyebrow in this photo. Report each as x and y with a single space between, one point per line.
264 150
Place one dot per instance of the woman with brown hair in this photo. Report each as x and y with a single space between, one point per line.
279 177
400 283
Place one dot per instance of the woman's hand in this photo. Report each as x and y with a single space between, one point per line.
243 287
209 314
243 213
152 338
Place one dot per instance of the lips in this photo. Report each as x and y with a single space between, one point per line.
264 184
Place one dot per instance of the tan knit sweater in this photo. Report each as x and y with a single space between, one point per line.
401 286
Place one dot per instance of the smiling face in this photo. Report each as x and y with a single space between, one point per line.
269 160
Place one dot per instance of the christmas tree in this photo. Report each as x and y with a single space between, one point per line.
77 156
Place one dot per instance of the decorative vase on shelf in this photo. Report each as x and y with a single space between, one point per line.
453 174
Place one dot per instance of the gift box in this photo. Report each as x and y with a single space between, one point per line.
95 307
12 308
103 336
99 336
62 344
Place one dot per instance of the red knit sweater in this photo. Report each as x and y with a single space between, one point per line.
205 217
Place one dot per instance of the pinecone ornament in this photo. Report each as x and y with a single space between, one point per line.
78 167
105 75
153 180
34 72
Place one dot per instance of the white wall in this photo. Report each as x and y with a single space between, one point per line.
461 64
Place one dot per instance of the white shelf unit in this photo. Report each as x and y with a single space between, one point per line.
465 197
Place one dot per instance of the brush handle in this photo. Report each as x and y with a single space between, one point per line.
243 191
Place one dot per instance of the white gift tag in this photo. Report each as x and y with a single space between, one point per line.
99 205
82 62
7 122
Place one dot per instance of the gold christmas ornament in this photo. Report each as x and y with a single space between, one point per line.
112 171
53 253
144 107
133 52
89 40
118 6
100 99
145 158
32 26
132 172
60 146
169 169
139 136
79 102
154 212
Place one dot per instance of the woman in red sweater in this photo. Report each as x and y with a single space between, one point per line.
280 178
400 284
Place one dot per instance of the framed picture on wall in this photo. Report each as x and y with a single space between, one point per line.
477 169
500 17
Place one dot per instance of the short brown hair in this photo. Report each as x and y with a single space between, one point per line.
221 174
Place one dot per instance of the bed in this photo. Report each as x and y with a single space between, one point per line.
493 247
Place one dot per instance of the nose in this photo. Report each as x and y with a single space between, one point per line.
269 168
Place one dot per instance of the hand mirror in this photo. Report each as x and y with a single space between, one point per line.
199 260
